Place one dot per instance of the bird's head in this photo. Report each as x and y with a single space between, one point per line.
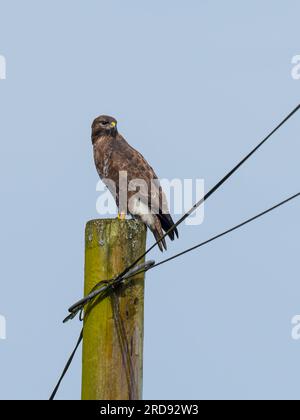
104 126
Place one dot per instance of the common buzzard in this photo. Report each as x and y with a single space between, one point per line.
121 167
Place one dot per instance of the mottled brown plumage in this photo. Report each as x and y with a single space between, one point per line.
113 155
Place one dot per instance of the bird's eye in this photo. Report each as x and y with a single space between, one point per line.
104 122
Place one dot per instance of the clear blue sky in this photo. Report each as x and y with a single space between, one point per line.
194 86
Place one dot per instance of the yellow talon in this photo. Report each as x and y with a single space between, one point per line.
121 216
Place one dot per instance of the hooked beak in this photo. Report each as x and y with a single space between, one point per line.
113 124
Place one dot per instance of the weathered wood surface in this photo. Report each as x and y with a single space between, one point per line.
114 328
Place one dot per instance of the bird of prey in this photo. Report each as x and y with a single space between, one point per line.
114 156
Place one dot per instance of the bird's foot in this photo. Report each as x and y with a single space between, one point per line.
121 216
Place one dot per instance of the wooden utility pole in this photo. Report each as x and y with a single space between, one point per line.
114 327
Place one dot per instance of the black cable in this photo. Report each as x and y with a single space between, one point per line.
114 283
149 265
214 189
119 278
74 309
226 232
220 235
67 366
111 284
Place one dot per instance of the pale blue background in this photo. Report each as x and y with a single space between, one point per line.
194 85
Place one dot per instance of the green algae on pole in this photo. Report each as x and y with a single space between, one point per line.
112 359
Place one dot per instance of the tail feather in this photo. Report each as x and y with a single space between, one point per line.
162 244
158 234
166 223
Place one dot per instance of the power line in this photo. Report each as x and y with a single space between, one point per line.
212 191
74 309
226 232
120 278
149 265
110 285
66 368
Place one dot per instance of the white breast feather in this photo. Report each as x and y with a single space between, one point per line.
138 208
